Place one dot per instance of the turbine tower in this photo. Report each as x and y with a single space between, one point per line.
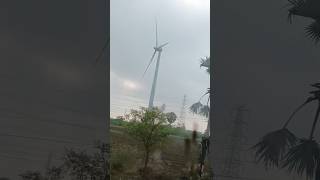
157 49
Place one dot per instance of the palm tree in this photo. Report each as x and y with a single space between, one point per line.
282 147
198 107
308 9
204 110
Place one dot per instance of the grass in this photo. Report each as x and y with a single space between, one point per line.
174 131
127 154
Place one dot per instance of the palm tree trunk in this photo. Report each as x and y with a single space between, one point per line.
207 131
295 111
315 121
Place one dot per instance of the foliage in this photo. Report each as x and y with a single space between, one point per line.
205 62
82 165
303 158
308 9
77 163
118 122
176 131
31 175
273 146
122 159
199 107
55 173
171 117
280 146
148 127
203 109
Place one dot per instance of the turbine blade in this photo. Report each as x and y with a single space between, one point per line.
163 45
103 50
154 53
156 34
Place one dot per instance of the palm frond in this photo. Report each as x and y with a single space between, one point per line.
204 111
296 6
313 31
303 158
206 93
196 107
273 146
205 62
199 108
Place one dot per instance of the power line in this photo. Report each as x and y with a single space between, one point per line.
40 119
41 139
43 103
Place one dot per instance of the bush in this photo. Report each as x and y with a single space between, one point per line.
122 159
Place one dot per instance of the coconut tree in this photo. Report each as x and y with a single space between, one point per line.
308 9
203 110
199 107
281 148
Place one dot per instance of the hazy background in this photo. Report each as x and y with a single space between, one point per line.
185 24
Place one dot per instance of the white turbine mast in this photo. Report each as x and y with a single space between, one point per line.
157 49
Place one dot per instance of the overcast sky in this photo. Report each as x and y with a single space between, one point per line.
185 24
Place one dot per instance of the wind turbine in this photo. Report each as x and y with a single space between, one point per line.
157 49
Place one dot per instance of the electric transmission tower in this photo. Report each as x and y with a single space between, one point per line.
48 163
233 165
181 122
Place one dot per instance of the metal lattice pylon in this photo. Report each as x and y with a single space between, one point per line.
233 164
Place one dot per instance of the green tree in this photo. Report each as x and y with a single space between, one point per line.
281 148
148 127
171 117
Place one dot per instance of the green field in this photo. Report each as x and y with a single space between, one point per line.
168 161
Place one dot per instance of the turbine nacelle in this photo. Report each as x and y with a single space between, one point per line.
159 48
